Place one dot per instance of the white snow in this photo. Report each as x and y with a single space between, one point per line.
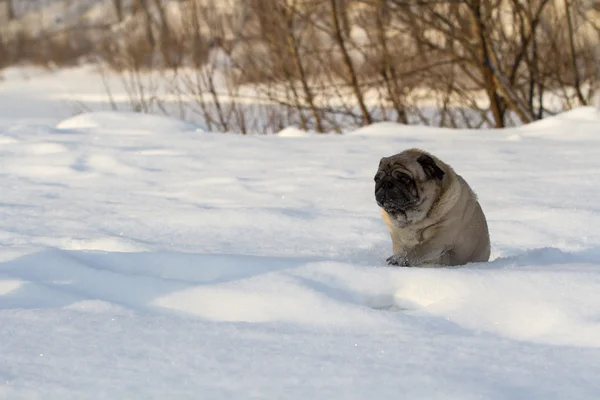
125 122
292 131
143 259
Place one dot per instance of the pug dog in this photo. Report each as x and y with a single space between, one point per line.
432 214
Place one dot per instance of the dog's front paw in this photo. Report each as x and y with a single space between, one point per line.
398 260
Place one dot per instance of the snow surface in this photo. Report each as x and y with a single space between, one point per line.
125 123
143 259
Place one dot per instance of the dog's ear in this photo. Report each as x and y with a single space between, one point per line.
430 167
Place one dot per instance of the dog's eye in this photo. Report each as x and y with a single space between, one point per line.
402 177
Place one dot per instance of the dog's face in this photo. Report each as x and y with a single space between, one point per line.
405 181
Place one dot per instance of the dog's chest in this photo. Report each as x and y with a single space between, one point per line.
406 239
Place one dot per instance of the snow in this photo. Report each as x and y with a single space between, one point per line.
125 123
292 131
142 257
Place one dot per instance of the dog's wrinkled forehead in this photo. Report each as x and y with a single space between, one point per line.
415 163
400 160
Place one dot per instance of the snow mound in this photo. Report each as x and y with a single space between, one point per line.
396 129
569 125
581 114
130 122
291 131
573 125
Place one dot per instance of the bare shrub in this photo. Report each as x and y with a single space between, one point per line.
329 65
